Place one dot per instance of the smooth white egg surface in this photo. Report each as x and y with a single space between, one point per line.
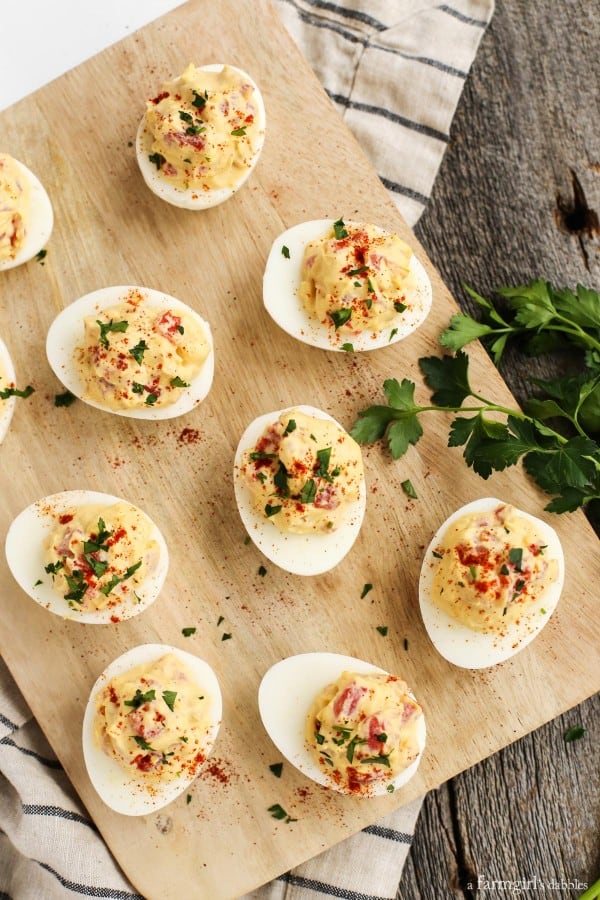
7 379
44 536
286 695
281 284
137 792
497 573
38 221
76 357
298 553
192 133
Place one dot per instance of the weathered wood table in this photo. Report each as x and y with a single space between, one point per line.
517 198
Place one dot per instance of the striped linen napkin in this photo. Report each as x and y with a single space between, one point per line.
395 70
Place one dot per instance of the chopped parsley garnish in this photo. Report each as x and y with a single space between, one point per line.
399 307
309 491
271 510
77 586
239 132
158 159
65 399
40 255
141 742
349 348
377 760
382 629
188 799
262 571
352 746
15 392
366 588
98 566
107 327
339 317
276 769
93 545
323 457
285 251
574 733
226 636
179 382
437 555
280 480
278 812
515 556
339 230
151 399
291 426
169 698
187 632
390 788
139 699
393 334
138 351
53 568
409 490
360 271
504 570
137 388
199 100
117 579
259 454
219 620
370 286
185 116
473 572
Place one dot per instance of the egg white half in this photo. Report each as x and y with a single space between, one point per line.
7 407
24 548
281 282
67 331
300 554
122 793
285 696
39 224
196 198
472 649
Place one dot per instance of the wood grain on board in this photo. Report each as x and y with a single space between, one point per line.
76 135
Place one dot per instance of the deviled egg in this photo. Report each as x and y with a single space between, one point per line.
26 216
490 580
87 556
150 723
343 722
345 286
133 351
201 136
300 488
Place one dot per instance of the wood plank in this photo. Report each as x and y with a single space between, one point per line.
521 128
111 230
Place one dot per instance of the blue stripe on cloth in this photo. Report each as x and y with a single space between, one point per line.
367 42
478 23
404 190
49 763
322 887
36 809
348 13
401 837
88 890
392 117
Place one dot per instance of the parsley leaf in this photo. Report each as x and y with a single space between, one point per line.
339 317
339 230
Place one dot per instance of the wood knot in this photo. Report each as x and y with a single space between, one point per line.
575 217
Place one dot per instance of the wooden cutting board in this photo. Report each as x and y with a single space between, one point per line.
77 135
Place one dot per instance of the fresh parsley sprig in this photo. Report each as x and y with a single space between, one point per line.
538 314
566 467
